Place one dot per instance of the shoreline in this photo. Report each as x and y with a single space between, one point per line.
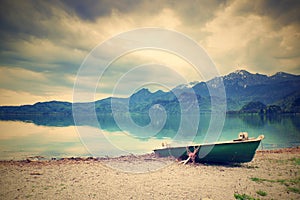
272 174
38 158
280 150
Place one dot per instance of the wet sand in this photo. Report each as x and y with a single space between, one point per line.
275 174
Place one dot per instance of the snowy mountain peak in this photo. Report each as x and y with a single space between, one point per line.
244 78
238 74
241 72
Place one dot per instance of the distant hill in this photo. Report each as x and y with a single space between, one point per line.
245 92
51 107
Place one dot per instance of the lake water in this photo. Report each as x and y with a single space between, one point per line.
57 136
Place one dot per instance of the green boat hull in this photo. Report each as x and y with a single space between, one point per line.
227 152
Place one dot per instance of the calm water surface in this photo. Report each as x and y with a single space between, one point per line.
57 136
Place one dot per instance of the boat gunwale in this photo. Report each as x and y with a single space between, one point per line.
216 143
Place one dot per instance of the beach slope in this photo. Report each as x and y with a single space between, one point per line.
271 175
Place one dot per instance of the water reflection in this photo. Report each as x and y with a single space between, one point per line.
19 140
57 135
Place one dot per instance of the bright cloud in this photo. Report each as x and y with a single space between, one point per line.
251 40
44 44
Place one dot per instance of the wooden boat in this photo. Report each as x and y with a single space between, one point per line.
236 151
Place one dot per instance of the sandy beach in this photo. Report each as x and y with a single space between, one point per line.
271 175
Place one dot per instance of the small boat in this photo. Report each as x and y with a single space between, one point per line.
236 151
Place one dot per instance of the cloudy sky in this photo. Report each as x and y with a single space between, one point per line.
44 43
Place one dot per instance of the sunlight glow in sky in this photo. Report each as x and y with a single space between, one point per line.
43 43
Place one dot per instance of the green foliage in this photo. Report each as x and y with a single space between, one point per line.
272 109
260 180
293 189
296 105
289 183
243 197
255 179
295 181
253 107
291 103
296 161
282 181
261 193
260 108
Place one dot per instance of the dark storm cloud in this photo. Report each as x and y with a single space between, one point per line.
91 10
33 30
48 40
283 12
27 18
23 18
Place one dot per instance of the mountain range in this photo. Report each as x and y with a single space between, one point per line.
245 92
